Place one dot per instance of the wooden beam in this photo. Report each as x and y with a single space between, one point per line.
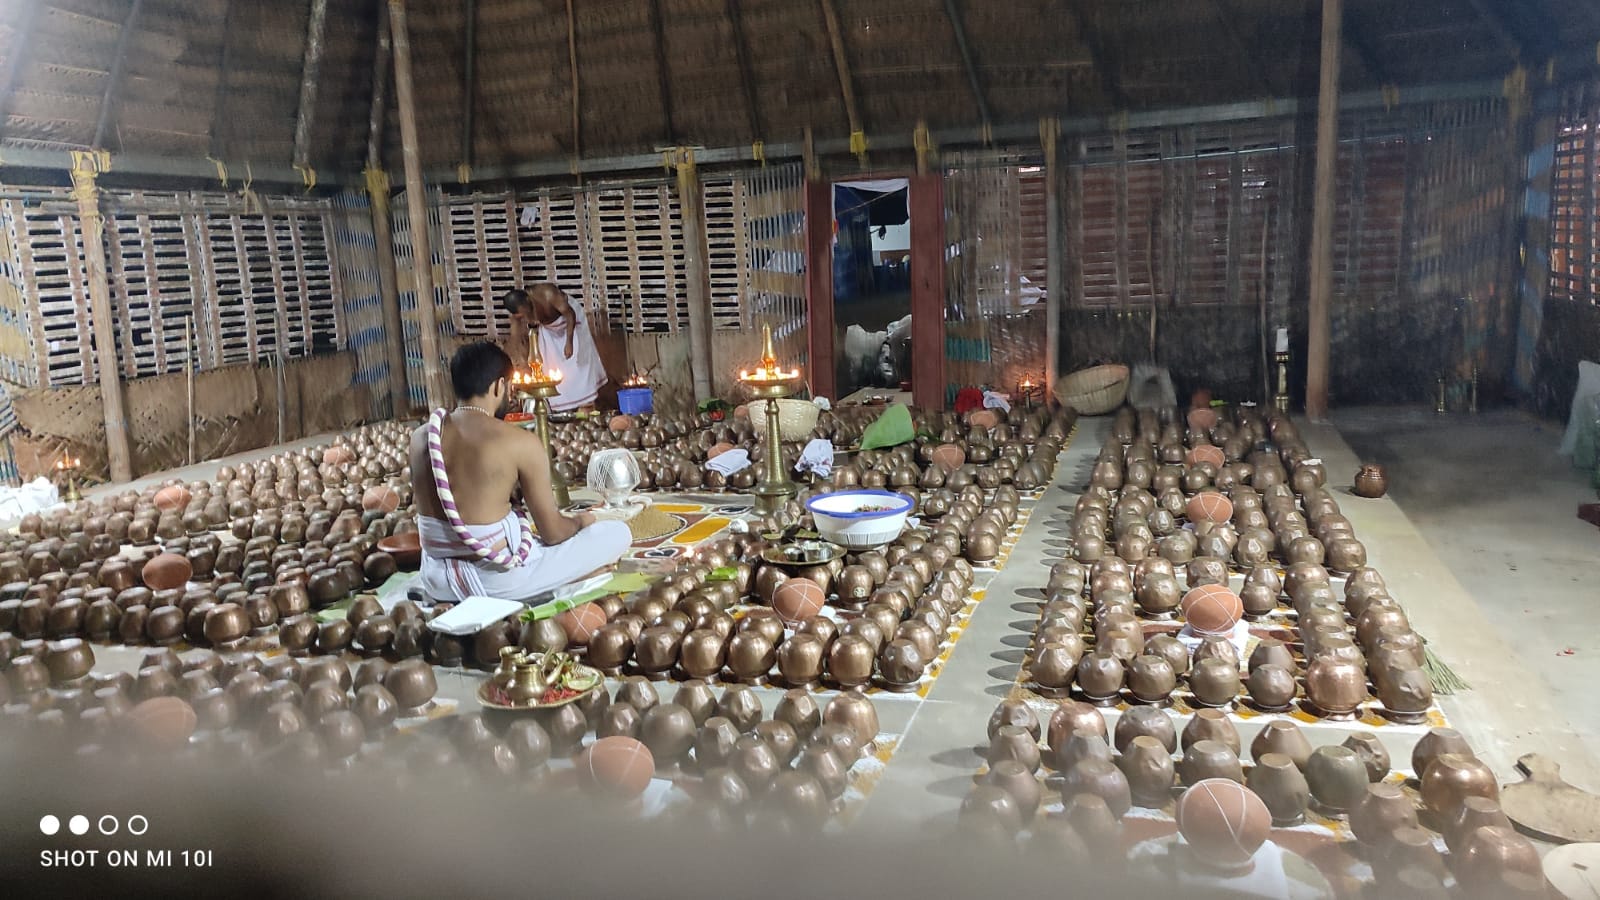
747 78
1498 26
108 99
572 63
1054 281
469 83
822 369
394 338
658 37
310 79
927 290
841 65
1105 64
1318 327
1229 19
86 191
417 202
21 50
219 101
965 48
697 272
1362 48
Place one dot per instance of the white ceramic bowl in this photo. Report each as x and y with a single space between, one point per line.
840 517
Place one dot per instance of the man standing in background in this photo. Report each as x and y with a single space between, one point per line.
564 341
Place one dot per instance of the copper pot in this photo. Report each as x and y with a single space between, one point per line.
1371 481
740 705
1335 686
1214 682
1145 721
714 744
702 653
1450 779
850 661
68 660
1210 759
1151 679
696 697
1475 813
1285 737
1282 787
1272 688
1102 779
1100 677
1210 725
800 710
657 649
412 683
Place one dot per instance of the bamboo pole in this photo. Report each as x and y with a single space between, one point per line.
1054 283
108 100
310 79
1317 317
394 338
697 272
577 101
847 87
86 191
188 385
469 85
417 202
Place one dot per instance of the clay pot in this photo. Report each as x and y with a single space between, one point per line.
1475 813
1338 779
1151 679
1450 779
1436 743
696 697
1284 737
1203 760
1336 687
1280 784
376 707
1371 481
668 730
1215 682
1100 677
1147 764
856 713
1383 809
740 705
850 661
412 683
1102 779
1210 725
1494 851
68 660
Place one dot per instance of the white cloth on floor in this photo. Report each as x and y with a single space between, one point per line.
1239 637
582 375
816 458
452 572
996 400
730 461
1266 877
30 497
822 403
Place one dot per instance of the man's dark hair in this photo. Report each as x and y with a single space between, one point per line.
476 366
515 300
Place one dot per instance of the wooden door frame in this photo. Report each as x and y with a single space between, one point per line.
925 199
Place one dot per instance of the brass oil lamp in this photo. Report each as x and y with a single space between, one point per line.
771 382
539 384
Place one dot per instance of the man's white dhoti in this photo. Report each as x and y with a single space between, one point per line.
583 375
452 572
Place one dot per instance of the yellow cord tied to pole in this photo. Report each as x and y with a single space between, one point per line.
1391 97
463 173
252 203
858 143
307 175
222 169
96 161
377 182
758 151
1516 92
87 166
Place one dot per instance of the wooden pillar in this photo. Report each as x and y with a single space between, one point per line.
87 192
927 291
310 80
822 368
1054 284
1318 328
394 337
417 202
697 273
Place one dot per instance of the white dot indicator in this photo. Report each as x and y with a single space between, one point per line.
49 824
78 824
144 824
108 829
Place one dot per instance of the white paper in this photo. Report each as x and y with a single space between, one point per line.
473 615
1283 340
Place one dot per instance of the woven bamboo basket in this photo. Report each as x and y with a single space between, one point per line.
796 418
1094 391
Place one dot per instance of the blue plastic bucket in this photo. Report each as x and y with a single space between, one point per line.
636 401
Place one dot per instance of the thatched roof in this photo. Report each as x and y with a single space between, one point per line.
222 77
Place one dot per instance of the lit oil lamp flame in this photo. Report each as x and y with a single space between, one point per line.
636 380
769 369
537 373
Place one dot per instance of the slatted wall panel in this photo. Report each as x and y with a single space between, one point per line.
51 251
350 227
636 242
1574 197
480 230
1034 237
729 251
775 235
233 313
17 361
555 249
405 266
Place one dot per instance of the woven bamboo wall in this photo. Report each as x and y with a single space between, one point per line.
1563 326
356 255
236 409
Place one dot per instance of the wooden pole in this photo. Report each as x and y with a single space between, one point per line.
394 337
188 384
577 101
310 79
219 100
469 85
417 203
847 87
1322 214
927 291
87 192
697 273
1054 284
108 100
819 288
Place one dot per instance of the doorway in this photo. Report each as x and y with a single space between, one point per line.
871 285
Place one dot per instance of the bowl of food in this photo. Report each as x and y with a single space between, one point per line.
860 520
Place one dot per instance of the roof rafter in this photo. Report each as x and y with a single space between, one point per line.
1359 44
1500 27
658 35
108 99
310 80
953 13
1228 17
841 64
21 45
225 64
741 50
1104 63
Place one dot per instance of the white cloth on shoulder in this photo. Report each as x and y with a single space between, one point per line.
582 375
451 572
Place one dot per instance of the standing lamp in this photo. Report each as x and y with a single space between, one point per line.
771 383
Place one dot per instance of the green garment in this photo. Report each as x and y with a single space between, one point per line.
891 429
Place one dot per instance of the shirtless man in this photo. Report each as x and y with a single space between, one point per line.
564 341
490 550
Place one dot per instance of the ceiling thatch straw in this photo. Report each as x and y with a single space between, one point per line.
221 78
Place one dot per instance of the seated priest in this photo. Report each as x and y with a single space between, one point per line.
467 469
564 342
